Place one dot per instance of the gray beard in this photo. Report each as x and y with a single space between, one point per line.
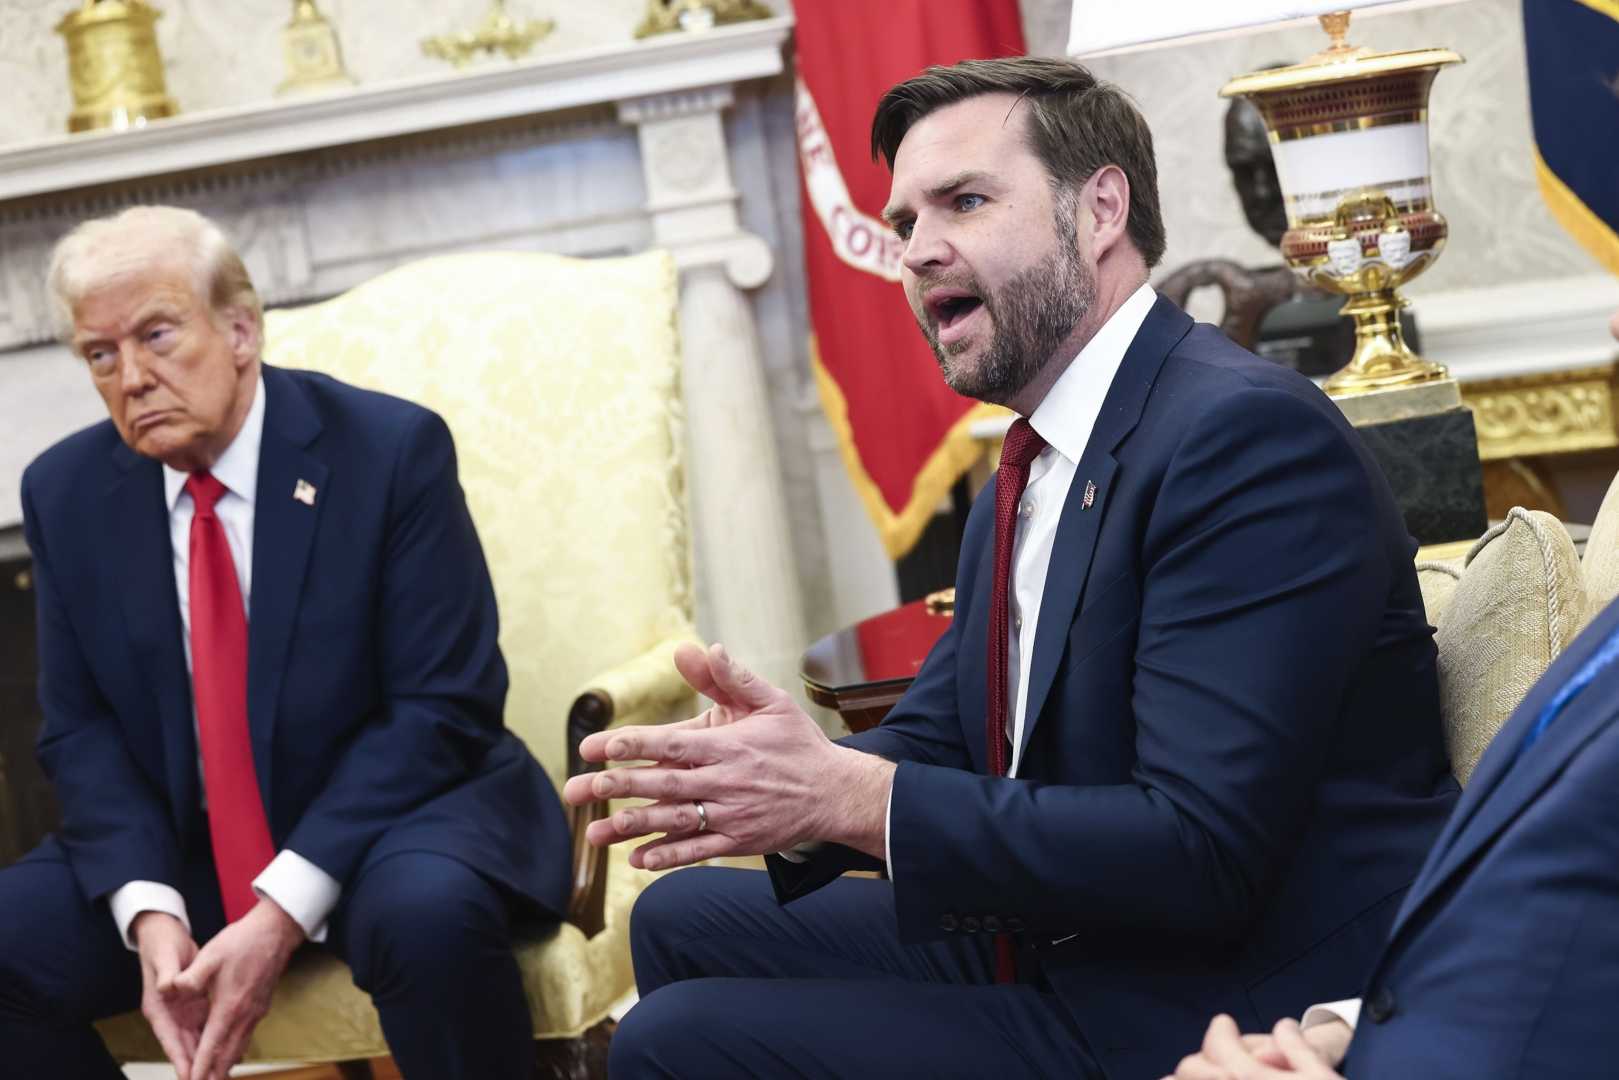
1032 315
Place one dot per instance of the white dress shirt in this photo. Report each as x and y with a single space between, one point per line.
1347 1010
299 887
1065 419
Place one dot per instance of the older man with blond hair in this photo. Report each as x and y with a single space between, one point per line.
272 695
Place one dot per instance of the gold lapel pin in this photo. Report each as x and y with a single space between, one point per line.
304 492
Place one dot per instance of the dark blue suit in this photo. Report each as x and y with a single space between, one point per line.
1504 958
1232 762
375 696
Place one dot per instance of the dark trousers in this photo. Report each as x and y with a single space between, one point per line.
426 937
734 984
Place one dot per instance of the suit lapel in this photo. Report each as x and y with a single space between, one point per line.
137 512
1506 782
283 533
1085 507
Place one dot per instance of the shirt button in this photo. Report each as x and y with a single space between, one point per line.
1027 508
1380 1006
1017 622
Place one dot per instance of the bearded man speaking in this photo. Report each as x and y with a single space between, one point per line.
1179 752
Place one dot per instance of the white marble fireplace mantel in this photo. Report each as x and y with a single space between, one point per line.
595 152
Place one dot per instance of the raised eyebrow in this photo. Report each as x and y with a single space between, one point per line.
893 214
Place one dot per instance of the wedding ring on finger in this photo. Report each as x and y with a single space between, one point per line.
702 815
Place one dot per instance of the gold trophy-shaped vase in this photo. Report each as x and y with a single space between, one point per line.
1349 132
114 65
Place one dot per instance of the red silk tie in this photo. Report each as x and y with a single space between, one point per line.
236 820
1021 447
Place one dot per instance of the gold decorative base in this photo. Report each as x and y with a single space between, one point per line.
1382 359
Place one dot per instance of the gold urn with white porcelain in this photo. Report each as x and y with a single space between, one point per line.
1349 133
114 65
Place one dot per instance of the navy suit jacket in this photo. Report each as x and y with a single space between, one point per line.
375 682
1232 758
1504 958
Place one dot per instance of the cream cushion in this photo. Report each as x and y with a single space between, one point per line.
559 379
1519 601
1437 578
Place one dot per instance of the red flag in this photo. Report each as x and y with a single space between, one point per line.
904 433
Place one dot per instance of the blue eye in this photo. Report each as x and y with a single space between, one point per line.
969 202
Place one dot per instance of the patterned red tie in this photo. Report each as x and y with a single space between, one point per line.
1022 446
236 820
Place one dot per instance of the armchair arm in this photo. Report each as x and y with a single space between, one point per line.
640 689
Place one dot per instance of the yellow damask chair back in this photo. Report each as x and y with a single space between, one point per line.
559 379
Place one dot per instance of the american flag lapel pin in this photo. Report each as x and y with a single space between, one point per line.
304 492
1090 495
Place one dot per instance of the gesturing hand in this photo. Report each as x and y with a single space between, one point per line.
1286 1052
176 1016
234 975
763 771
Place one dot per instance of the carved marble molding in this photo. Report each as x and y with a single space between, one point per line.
1559 412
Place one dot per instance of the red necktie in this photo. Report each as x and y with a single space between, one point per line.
1022 446
236 821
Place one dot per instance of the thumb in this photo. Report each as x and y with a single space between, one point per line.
741 686
194 979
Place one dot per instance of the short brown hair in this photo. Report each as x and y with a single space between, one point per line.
1077 124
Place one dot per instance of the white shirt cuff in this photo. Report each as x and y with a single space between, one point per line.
1347 1010
301 889
130 900
888 816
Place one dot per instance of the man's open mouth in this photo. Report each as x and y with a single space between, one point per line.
950 306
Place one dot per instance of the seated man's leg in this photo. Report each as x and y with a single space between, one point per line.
708 921
430 940
61 968
838 1028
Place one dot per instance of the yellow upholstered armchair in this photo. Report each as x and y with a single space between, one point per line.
560 381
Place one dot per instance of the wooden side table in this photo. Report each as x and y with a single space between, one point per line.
862 670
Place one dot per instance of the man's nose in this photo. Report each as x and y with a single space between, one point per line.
926 248
134 376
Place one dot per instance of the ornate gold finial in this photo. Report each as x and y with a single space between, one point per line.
1336 24
114 65
667 16
314 57
498 32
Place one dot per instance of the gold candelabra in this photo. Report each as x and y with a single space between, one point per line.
669 16
498 32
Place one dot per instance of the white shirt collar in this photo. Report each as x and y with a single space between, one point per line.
1070 408
238 467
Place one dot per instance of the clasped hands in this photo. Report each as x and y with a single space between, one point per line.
203 1003
767 777
1226 1054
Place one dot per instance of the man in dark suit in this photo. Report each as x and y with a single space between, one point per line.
1189 679
272 694
1503 960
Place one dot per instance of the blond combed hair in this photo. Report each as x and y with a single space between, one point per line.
130 241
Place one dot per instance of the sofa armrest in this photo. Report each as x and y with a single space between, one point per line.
640 690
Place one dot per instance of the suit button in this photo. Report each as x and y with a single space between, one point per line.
992 924
970 924
947 923
1380 1004
1014 923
